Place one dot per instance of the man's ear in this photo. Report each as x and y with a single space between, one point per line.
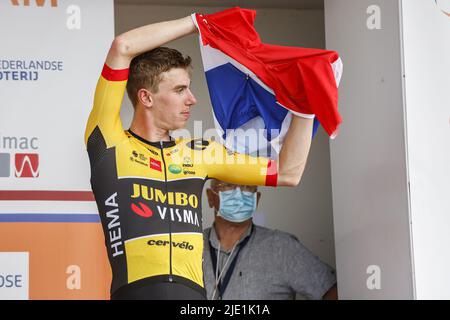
145 97
258 195
210 196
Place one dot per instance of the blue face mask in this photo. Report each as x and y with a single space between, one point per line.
237 205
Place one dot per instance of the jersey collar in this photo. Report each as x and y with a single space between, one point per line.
157 144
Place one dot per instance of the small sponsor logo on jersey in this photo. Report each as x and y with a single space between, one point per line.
140 156
172 152
187 159
187 162
198 144
27 165
155 164
188 172
137 160
175 169
181 245
153 152
142 210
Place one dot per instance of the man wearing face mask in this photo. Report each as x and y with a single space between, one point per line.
243 261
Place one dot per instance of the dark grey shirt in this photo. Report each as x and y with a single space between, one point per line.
272 265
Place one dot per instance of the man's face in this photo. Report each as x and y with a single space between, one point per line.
174 99
213 192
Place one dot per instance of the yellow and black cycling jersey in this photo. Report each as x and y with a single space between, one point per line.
149 193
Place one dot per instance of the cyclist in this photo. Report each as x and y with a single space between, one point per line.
147 185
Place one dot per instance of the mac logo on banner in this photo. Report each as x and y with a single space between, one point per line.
14 277
27 165
25 162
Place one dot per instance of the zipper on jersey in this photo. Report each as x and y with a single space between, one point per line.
170 224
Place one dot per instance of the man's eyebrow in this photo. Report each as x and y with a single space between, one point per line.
182 86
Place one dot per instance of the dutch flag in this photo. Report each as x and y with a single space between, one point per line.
255 87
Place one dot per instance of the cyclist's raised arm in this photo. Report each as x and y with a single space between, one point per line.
134 42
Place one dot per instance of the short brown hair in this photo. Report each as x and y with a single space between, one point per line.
146 69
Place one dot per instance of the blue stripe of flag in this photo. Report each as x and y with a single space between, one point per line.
237 98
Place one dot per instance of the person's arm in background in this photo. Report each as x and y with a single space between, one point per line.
294 152
331 294
134 42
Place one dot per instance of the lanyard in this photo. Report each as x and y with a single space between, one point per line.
222 285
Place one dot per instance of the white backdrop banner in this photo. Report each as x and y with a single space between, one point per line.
51 56
426 34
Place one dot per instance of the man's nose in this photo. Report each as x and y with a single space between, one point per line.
239 193
191 98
